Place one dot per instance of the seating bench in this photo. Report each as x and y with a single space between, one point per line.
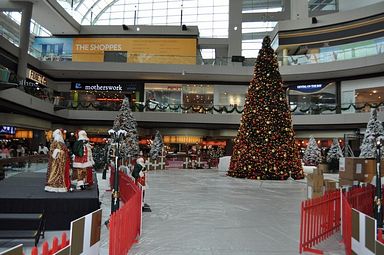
29 233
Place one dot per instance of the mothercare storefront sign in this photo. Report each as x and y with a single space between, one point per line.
105 86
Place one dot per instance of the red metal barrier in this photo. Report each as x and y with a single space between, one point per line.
55 246
320 218
361 199
125 223
347 225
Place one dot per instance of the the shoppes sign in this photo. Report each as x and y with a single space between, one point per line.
104 86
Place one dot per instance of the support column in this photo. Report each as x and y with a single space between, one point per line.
234 29
299 9
25 24
285 57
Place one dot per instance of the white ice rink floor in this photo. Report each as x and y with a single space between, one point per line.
205 212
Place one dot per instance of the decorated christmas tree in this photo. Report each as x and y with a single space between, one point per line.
125 121
264 147
312 154
156 146
333 155
374 129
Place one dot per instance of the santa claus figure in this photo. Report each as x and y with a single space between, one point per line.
82 161
58 165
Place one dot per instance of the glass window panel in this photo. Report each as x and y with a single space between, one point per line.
250 53
144 14
160 20
159 5
205 3
103 22
173 12
118 15
190 3
221 9
189 18
205 25
204 18
115 8
145 6
221 17
115 22
205 33
220 25
173 19
145 21
189 11
82 9
220 33
205 10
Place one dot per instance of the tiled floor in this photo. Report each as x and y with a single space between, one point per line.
206 212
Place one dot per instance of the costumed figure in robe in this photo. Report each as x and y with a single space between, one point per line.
82 161
58 165
140 174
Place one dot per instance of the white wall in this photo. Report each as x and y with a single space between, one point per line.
345 5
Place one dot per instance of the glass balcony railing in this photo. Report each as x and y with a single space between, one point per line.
335 54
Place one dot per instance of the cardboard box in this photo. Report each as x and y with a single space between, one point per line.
330 185
313 194
315 184
351 168
347 182
370 166
323 168
316 181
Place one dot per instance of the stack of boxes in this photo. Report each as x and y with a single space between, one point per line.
317 185
352 171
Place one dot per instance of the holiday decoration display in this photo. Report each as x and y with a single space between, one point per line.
333 155
156 146
125 121
312 154
100 156
374 129
265 144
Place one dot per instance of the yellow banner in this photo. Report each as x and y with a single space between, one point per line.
136 50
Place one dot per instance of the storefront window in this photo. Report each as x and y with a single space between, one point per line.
198 98
313 98
361 95
163 97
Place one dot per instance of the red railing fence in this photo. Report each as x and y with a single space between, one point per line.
125 223
347 225
55 246
320 218
361 199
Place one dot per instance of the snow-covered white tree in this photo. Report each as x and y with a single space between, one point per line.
125 121
333 155
374 129
156 146
312 154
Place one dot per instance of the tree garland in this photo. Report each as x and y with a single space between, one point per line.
218 109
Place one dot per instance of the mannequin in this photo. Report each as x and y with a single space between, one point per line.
58 165
82 162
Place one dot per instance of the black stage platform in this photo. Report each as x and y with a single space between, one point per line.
24 193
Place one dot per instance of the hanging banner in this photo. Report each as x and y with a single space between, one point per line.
135 50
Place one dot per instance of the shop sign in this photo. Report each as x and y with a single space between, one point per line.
28 83
37 77
9 130
308 88
104 86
